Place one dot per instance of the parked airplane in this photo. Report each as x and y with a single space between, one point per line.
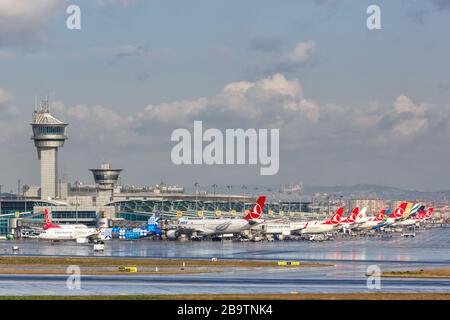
423 215
370 223
349 222
220 226
152 228
361 217
413 211
428 213
394 216
314 227
78 232
408 218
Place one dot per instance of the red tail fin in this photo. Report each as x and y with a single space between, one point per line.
419 216
398 213
380 216
352 217
257 209
48 221
47 218
336 219
429 213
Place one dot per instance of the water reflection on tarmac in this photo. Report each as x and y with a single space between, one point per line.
351 256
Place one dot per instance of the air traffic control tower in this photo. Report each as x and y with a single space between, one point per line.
48 134
105 178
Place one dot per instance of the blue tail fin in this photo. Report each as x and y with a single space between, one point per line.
153 224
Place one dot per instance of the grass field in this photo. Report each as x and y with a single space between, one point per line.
422 273
106 272
116 262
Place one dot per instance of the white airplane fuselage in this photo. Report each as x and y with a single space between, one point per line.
283 228
404 223
315 227
67 232
217 226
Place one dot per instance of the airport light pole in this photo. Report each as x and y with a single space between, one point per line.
328 204
0 198
76 205
229 198
214 186
268 204
243 193
196 185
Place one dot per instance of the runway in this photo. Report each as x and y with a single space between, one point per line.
243 281
351 258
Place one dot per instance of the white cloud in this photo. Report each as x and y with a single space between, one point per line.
301 53
7 106
175 112
5 96
405 104
24 21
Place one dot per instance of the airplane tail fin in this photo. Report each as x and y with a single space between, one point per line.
361 215
352 217
256 210
420 215
48 221
418 212
398 213
413 210
382 215
429 213
153 223
336 219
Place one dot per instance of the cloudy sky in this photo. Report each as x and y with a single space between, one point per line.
352 105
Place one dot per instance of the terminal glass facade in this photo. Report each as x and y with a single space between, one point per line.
138 210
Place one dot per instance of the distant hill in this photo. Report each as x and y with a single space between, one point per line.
377 192
366 191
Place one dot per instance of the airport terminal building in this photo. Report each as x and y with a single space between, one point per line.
106 203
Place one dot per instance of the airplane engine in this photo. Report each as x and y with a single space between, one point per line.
173 234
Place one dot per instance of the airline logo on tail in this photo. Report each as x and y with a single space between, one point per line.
352 217
429 213
412 212
362 214
256 211
336 219
379 216
382 215
48 221
398 213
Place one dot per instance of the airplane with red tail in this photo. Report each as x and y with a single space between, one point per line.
316 227
221 226
350 221
55 232
374 222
